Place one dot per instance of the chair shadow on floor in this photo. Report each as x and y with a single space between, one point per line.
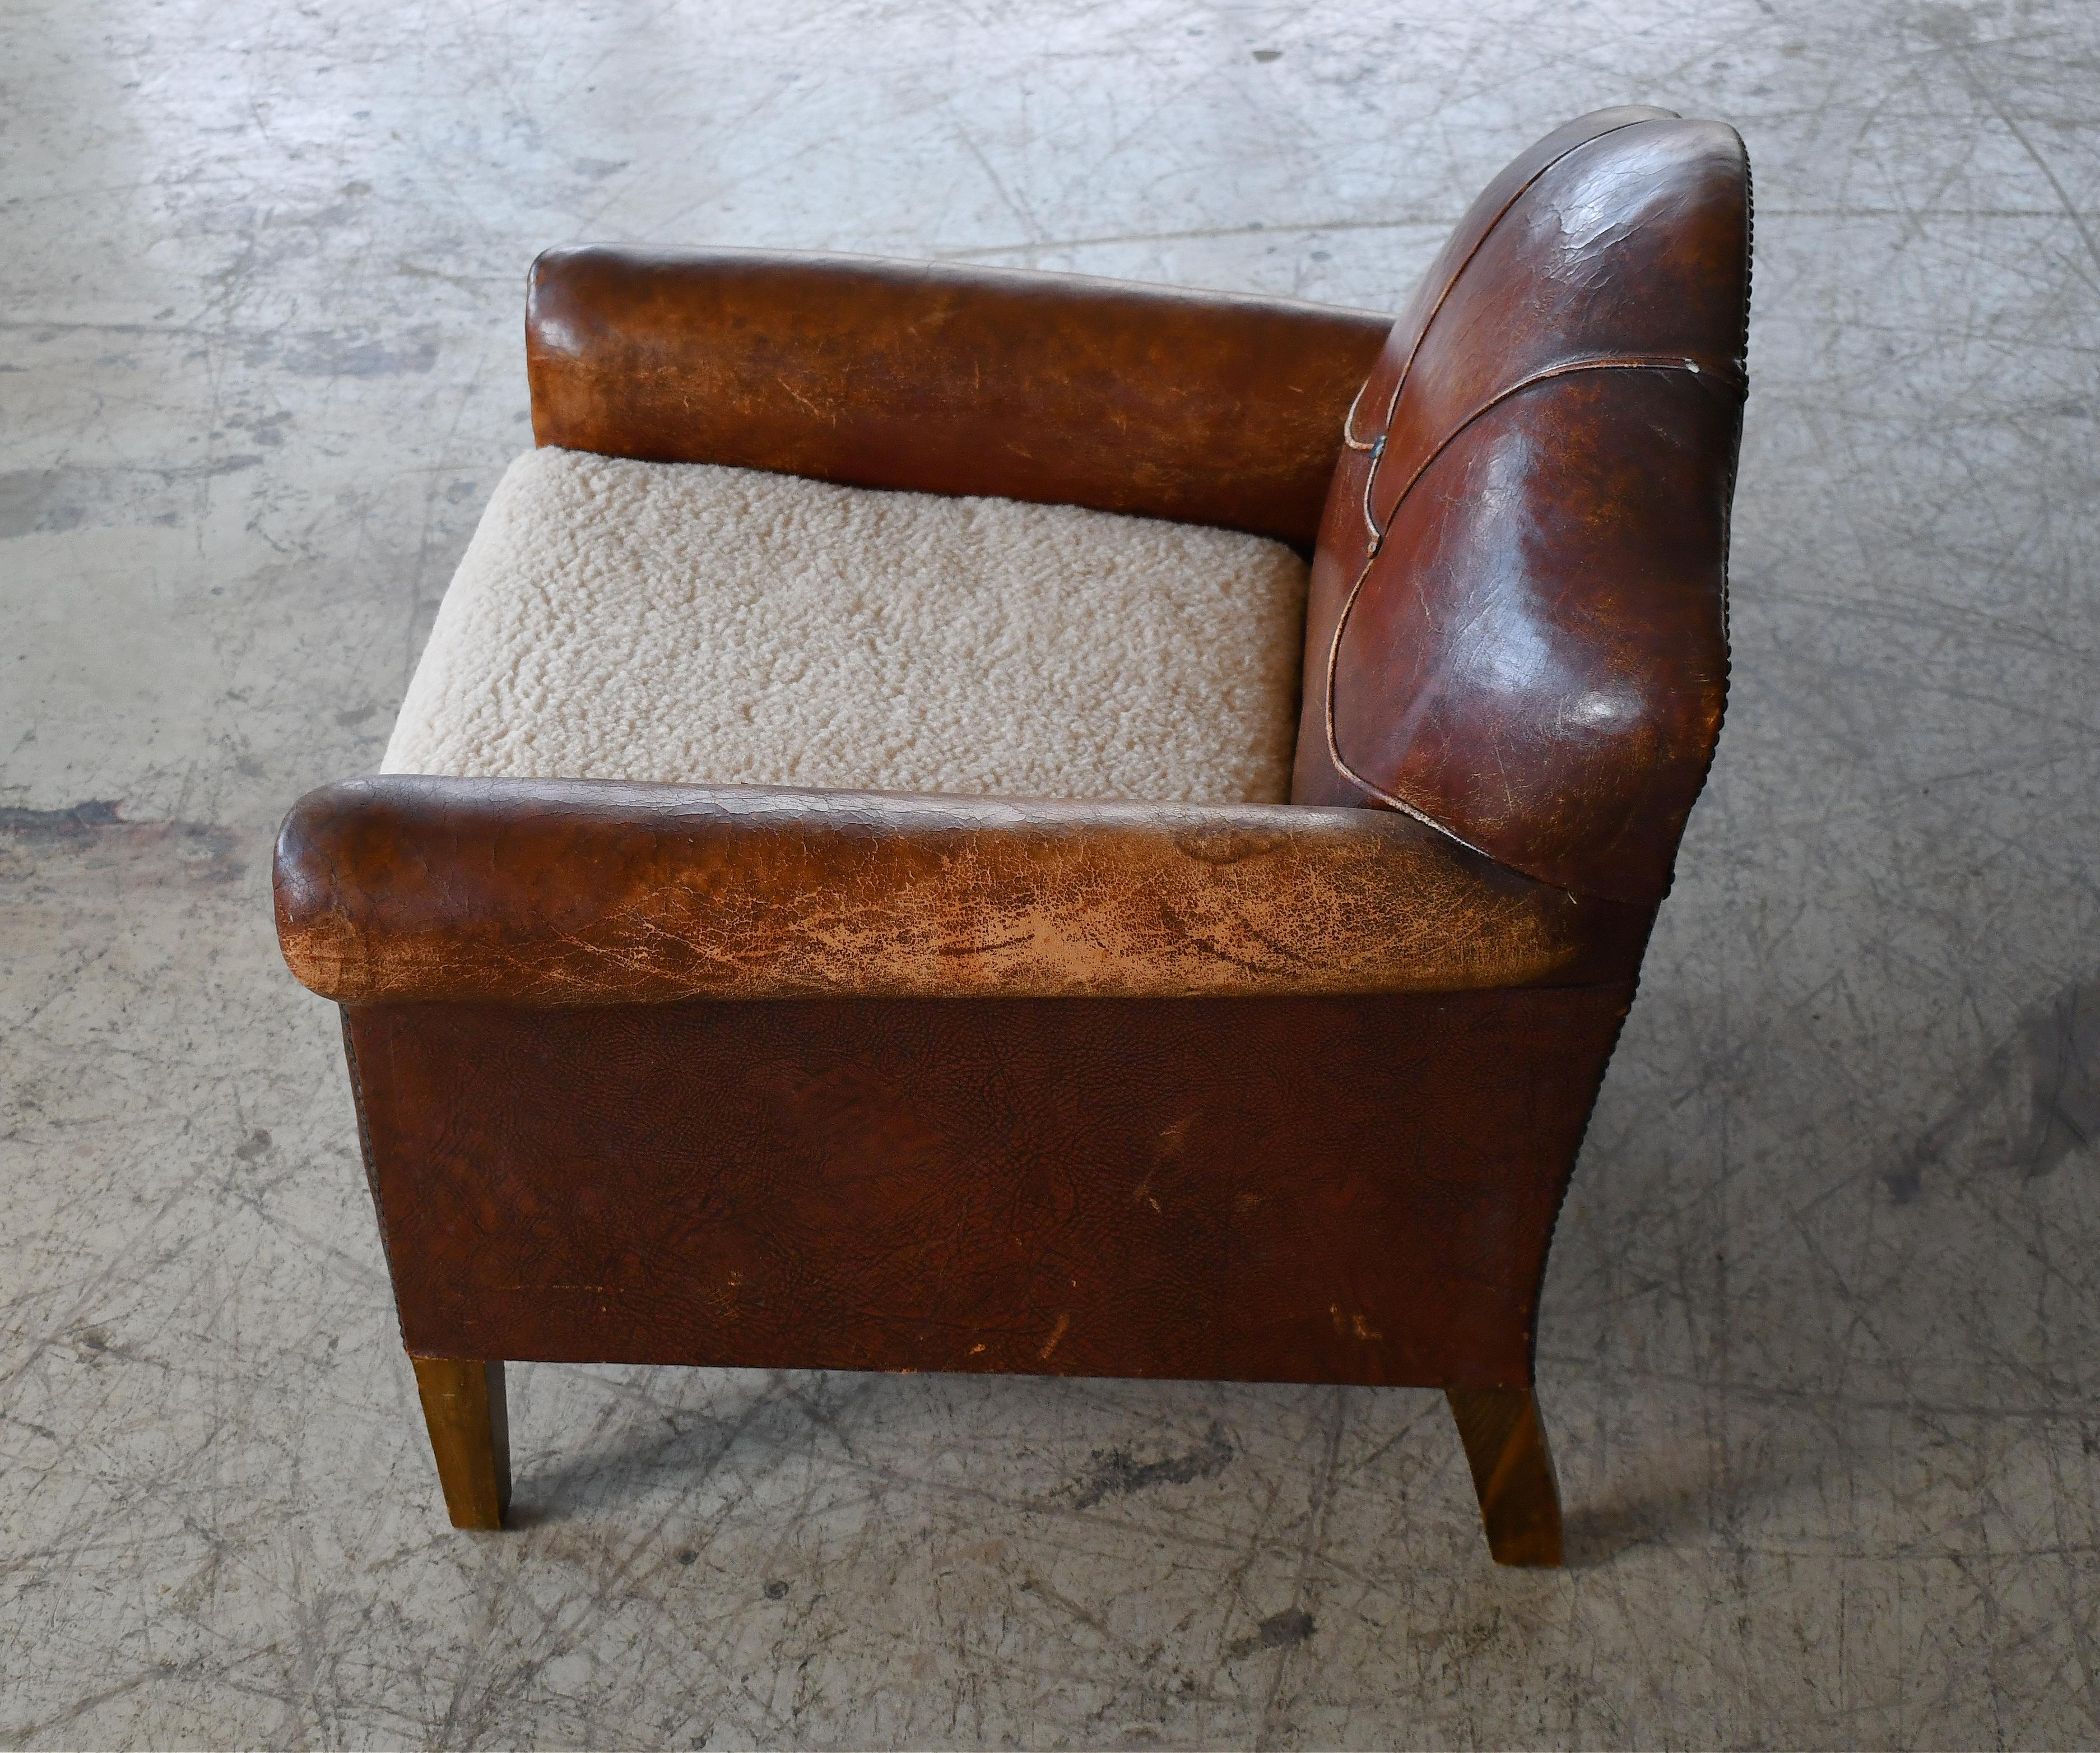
1676 1506
689 1435
697 1422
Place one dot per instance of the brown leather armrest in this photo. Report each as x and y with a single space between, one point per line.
1198 407
581 892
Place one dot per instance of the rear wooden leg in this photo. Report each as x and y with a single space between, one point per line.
1512 1472
469 1420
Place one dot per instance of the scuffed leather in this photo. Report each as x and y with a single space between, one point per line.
546 892
1058 388
1302 1190
1285 1094
1537 658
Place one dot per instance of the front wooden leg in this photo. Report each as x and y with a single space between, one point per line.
1512 1472
470 1418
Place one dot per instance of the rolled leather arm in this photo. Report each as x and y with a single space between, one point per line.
1058 388
582 892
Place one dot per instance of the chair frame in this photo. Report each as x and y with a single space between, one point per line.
750 1075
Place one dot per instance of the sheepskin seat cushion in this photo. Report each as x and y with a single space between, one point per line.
637 620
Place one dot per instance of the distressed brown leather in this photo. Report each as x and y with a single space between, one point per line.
1308 1189
577 891
1199 407
1284 1095
1537 657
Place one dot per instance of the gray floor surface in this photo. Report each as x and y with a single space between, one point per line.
1821 1334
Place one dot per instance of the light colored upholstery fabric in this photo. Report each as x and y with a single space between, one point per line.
635 621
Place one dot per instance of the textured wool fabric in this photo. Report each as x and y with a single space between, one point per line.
664 621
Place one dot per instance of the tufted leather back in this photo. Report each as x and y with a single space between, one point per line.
1518 625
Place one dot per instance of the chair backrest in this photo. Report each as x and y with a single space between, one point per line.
1518 628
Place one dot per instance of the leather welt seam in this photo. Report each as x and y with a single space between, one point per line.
1392 402
1668 362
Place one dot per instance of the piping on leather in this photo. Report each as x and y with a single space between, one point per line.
1377 532
1729 375
1392 403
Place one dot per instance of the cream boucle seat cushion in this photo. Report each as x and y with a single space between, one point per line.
637 620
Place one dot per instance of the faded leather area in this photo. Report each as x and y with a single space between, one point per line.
580 892
1203 408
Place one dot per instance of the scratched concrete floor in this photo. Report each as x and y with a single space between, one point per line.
1822 1334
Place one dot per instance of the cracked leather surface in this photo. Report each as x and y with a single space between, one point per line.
545 892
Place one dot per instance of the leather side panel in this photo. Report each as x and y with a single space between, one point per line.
1293 1189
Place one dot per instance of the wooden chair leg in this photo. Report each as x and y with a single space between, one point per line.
469 1419
1512 1472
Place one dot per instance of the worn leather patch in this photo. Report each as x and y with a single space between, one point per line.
566 892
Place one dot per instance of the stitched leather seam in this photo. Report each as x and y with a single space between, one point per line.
1392 403
1735 374
1548 373
1734 468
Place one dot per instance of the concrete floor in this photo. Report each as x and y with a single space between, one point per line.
1822 1332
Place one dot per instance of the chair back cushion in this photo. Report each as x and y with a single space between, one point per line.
1518 623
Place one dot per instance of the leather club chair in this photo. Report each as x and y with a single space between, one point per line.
749 1075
